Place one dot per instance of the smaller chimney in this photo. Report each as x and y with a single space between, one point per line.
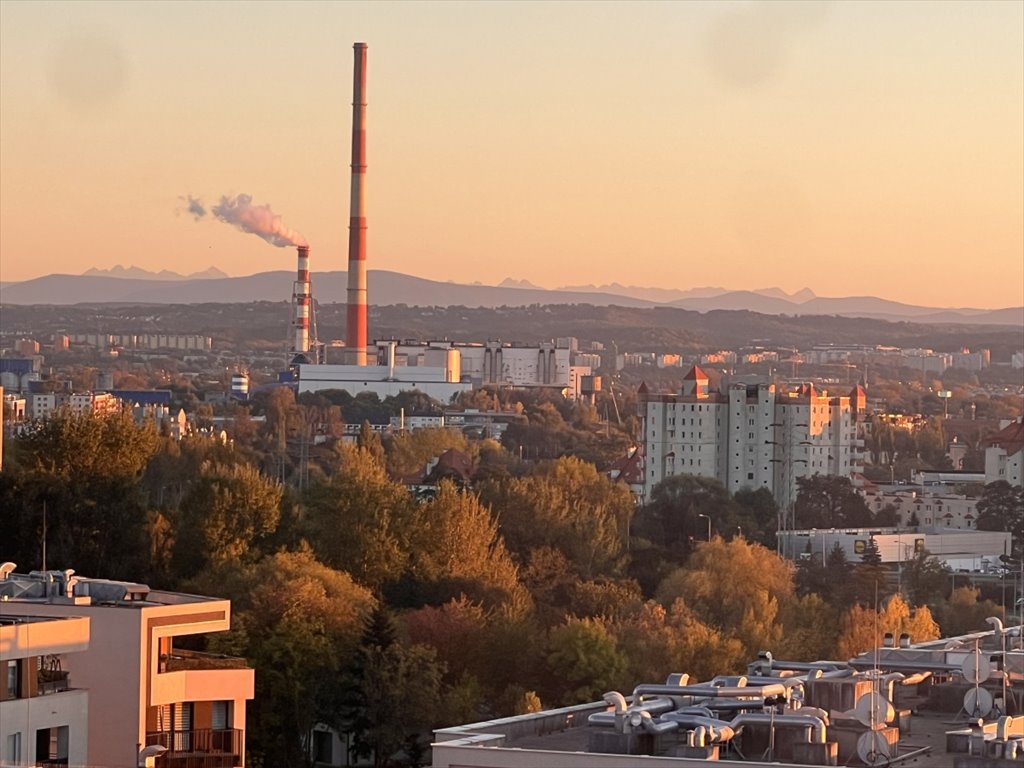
301 301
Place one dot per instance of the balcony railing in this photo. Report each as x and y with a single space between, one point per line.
180 660
202 748
52 681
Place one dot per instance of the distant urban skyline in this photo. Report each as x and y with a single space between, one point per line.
849 148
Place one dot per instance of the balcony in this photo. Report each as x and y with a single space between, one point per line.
180 660
193 676
52 681
203 748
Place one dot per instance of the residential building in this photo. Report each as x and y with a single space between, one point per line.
1004 454
43 716
749 435
144 687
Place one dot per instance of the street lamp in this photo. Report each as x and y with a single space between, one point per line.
708 518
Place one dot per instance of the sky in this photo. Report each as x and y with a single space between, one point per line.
855 148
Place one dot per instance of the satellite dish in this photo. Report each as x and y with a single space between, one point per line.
972 669
977 702
873 710
873 748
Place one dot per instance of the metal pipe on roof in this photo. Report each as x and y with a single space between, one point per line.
710 691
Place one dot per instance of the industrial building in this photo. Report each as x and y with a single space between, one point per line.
442 369
945 703
957 550
143 690
750 435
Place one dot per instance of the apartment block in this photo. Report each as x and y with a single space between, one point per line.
43 709
146 690
749 435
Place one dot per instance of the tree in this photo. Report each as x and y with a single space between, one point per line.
739 588
566 504
409 453
671 518
1001 508
76 445
964 613
861 629
759 514
360 521
457 551
924 579
297 622
829 501
395 690
226 515
584 661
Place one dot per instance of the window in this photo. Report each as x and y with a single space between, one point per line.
12 679
13 752
750 475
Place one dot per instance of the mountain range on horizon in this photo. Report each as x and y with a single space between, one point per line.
133 285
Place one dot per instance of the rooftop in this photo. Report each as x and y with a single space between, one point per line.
916 704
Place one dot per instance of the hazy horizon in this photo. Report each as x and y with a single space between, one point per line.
850 148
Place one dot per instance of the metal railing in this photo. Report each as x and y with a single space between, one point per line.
201 748
50 681
180 660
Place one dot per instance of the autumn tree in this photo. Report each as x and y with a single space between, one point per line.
861 628
672 518
739 588
409 453
457 551
70 445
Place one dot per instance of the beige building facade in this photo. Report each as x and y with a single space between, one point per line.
144 689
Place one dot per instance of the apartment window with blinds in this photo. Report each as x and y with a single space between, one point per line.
220 715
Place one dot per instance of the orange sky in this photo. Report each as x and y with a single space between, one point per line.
850 147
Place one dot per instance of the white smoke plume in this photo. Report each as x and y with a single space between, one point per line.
255 219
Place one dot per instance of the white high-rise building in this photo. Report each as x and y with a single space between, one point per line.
749 435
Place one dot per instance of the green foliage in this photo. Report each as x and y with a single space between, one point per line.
298 622
360 521
1001 508
394 692
925 580
78 445
829 501
584 661
226 515
671 518
568 505
964 612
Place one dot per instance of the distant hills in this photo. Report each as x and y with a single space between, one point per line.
131 285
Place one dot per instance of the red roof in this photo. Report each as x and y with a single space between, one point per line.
695 374
1010 438
629 468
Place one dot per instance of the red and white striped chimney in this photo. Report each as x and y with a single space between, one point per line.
355 338
301 299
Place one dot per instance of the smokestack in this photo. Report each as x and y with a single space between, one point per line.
355 338
301 299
